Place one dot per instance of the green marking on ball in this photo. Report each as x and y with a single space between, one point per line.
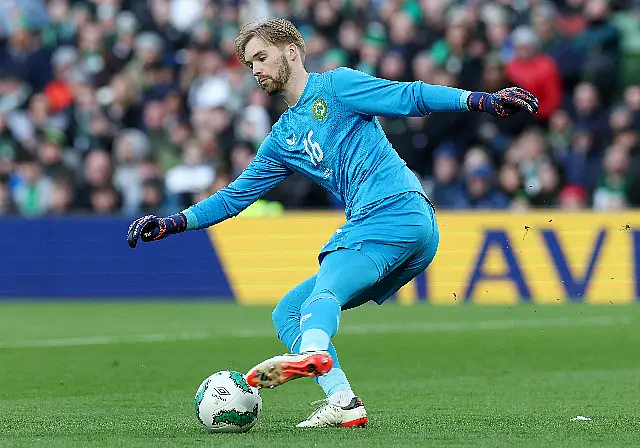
199 398
233 417
238 379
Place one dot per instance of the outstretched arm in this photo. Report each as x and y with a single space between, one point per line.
257 179
380 97
262 174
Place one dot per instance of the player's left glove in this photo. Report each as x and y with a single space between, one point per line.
151 228
504 102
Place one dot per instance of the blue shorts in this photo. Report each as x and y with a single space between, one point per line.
399 234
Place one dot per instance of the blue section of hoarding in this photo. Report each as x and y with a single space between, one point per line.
65 258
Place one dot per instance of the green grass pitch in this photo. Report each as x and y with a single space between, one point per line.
125 374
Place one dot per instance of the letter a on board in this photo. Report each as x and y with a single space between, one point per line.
499 240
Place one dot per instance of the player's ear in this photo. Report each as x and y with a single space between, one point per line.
291 52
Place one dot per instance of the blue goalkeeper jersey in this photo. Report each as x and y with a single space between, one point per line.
332 136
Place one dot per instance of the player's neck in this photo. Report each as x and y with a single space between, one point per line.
293 91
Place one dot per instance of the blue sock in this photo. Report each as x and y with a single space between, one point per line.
320 317
334 381
314 339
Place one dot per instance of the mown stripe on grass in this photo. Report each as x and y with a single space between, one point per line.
413 327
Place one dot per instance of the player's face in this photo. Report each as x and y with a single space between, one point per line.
269 65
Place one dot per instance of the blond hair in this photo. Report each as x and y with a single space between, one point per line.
274 31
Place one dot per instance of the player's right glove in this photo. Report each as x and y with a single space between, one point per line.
151 228
503 103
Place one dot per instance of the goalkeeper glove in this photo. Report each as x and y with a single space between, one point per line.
151 228
503 103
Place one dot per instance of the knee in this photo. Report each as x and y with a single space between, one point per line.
323 294
280 316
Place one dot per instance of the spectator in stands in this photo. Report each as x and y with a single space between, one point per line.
561 130
152 200
192 176
60 30
392 66
448 191
599 48
81 14
35 121
535 71
75 88
620 122
452 55
121 103
51 155
549 180
62 196
532 157
148 50
572 198
7 206
476 156
154 115
481 189
122 50
242 155
210 87
588 113
91 53
222 124
632 101
560 48
105 200
10 149
402 38
582 160
59 92
496 30
350 40
97 174
627 22
571 20
32 192
371 52
14 92
253 124
90 127
510 181
130 148
171 19
610 193
24 54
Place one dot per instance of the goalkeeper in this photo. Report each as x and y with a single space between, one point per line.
331 135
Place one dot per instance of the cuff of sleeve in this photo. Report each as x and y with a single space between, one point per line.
192 220
464 105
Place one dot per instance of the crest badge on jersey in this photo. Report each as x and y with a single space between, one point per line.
319 109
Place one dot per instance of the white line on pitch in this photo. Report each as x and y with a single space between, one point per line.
411 327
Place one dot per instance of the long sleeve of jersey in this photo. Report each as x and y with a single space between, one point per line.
262 174
380 97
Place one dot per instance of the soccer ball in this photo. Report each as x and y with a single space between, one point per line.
225 402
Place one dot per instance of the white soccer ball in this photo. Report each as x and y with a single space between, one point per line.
225 402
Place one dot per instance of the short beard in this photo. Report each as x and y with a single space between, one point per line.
281 79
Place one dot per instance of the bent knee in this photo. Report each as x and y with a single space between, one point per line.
323 294
279 316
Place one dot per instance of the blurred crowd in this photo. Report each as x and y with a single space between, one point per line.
136 106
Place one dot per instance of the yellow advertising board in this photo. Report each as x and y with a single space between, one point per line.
484 257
